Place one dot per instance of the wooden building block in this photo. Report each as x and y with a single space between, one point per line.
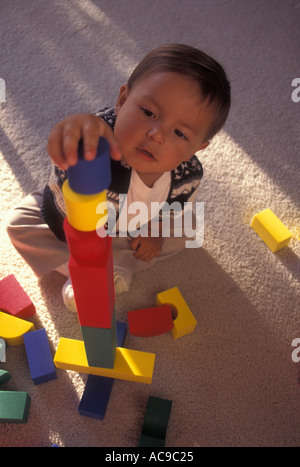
149 322
2 350
94 290
100 344
14 406
90 177
97 391
14 300
40 361
12 329
185 322
156 420
150 442
130 365
82 210
86 248
271 230
96 396
4 376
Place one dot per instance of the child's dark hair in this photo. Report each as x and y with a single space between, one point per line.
192 62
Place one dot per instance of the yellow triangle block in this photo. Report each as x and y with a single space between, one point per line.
131 365
185 322
271 230
12 329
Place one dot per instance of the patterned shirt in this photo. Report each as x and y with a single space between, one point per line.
185 180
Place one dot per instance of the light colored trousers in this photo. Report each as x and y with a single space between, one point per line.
43 252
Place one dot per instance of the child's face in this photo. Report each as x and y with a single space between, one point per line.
161 122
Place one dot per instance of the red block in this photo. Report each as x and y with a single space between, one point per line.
86 248
94 290
149 322
14 300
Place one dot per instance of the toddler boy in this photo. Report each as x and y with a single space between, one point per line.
173 104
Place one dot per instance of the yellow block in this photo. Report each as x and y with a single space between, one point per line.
12 329
271 230
185 322
131 365
82 209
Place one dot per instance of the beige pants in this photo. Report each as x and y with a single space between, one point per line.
43 252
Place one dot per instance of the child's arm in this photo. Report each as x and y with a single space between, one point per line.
64 137
147 248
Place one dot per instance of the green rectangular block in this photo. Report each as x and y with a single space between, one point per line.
4 376
100 344
156 417
14 406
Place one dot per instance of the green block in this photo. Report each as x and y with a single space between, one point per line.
150 442
100 344
4 376
156 417
14 406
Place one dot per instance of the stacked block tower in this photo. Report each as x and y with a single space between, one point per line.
91 260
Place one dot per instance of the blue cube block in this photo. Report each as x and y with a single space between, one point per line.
40 361
91 177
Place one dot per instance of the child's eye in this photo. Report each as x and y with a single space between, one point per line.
180 134
147 112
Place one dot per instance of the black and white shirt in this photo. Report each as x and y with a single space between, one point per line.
182 185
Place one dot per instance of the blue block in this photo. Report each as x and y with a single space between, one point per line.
96 396
40 360
121 333
91 177
97 391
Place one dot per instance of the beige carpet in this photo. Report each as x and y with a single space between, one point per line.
232 381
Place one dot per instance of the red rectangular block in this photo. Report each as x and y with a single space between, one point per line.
86 248
94 290
148 322
14 300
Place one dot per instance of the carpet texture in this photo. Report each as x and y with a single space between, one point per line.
232 381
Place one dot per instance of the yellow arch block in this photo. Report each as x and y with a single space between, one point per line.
131 365
82 210
185 322
271 230
12 329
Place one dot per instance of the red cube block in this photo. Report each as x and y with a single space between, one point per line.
14 300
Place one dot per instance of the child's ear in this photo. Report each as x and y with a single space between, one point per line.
204 145
123 94
201 147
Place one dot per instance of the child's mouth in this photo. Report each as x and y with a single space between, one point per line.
146 154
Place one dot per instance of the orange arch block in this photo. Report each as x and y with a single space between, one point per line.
185 322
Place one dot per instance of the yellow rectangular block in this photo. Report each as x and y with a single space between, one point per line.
131 365
271 230
185 322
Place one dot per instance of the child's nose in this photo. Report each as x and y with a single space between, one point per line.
156 134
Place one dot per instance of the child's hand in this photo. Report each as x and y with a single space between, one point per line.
64 137
146 248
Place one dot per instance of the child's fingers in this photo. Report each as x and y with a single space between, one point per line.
135 243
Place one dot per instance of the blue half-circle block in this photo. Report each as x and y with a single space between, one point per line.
91 177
